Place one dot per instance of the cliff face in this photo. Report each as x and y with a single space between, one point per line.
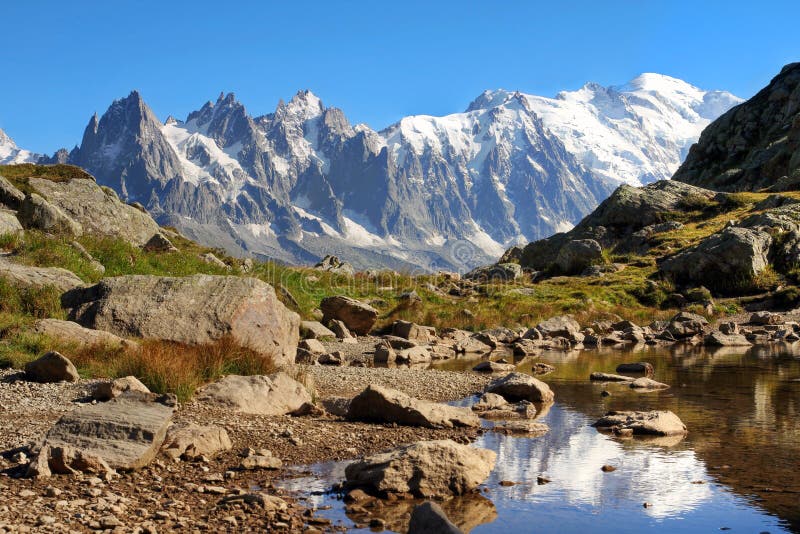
754 145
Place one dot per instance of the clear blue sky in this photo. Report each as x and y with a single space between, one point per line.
62 61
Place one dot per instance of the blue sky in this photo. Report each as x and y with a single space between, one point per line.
378 61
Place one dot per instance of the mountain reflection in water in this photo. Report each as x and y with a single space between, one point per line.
737 468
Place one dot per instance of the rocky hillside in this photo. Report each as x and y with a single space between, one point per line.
427 192
755 145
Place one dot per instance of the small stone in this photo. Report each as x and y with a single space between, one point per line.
608 468
542 480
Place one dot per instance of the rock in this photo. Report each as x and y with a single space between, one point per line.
125 432
429 518
159 243
97 210
427 469
494 367
211 259
471 345
10 196
413 355
313 346
490 401
51 367
521 427
334 265
384 353
67 460
340 330
9 224
27 276
378 404
729 328
315 330
654 423
192 441
193 309
607 377
399 343
501 272
36 212
578 254
263 460
357 316
640 367
561 326
105 391
765 318
411 331
331 358
519 386
493 406
337 406
685 324
269 505
276 394
721 259
647 383
718 339
72 332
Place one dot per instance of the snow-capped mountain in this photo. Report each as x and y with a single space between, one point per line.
11 153
431 192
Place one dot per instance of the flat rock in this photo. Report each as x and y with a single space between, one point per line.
427 469
519 386
276 394
654 423
521 427
51 367
356 315
193 309
192 441
379 404
27 276
647 383
494 367
125 432
72 332
718 339
609 377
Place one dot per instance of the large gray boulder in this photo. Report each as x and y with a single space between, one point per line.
27 276
384 405
519 386
431 469
192 441
96 209
576 255
194 309
36 212
357 316
561 326
721 261
125 432
654 423
51 367
276 394
499 272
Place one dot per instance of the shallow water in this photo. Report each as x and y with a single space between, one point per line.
737 469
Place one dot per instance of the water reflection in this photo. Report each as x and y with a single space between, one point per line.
736 468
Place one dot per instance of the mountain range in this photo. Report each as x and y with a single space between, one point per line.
425 193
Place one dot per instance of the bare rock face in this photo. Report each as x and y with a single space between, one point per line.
429 518
105 391
357 316
51 367
427 469
379 404
72 332
126 433
519 386
655 423
27 276
36 212
96 209
193 441
194 309
277 394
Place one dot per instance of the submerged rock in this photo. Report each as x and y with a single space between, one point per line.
656 423
519 386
